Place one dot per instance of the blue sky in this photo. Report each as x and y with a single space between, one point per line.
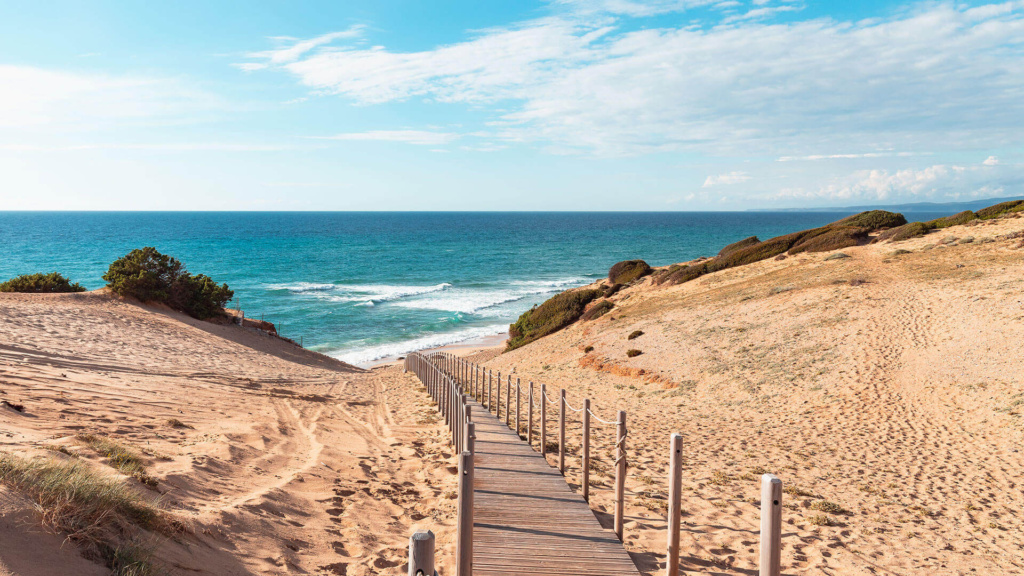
558 105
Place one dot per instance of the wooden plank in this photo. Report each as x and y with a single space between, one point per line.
527 521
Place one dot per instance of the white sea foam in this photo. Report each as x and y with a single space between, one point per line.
362 355
366 294
300 287
488 302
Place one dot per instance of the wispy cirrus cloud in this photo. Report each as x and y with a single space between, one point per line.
33 96
941 74
417 137
726 179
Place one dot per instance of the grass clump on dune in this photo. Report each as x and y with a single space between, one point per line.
40 283
556 313
73 499
905 232
873 220
122 457
628 270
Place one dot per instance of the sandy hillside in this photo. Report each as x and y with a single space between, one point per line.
284 461
886 390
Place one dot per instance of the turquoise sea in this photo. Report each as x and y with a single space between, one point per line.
363 286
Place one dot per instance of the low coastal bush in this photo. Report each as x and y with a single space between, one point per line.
150 276
954 220
750 241
1000 209
612 290
588 349
633 352
832 239
905 232
635 334
873 220
556 313
597 310
628 270
40 283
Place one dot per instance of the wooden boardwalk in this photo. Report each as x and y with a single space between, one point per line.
526 519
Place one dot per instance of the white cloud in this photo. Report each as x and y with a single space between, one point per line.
813 157
31 96
726 179
991 161
294 49
940 182
939 76
418 137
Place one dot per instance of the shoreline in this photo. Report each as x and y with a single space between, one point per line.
468 346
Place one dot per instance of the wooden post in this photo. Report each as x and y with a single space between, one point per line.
488 398
529 417
508 397
518 402
464 547
586 449
771 526
543 420
421 553
467 418
457 429
471 437
620 472
675 495
497 405
561 431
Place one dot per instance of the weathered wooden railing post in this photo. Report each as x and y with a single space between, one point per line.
421 553
488 396
471 437
445 388
543 419
561 430
620 472
586 449
508 397
529 417
467 419
771 526
519 390
497 406
464 547
675 495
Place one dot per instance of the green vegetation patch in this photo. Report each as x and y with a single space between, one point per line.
150 276
556 313
598 310
40 284
1000 209
873 220
954 220
905 232
831 238
749 241
628 270
633 352
635 334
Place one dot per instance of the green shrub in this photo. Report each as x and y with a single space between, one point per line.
597 310
954 220
150 276
612 290
1000 209
905 232
737 245
633 352
628 270
556 313
635 334
832 238
873 220
40 283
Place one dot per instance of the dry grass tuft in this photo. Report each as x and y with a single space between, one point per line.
75 500
829 507
635 334
175 423
122 457
633 352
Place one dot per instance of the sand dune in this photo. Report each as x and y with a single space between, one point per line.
884 389
285 462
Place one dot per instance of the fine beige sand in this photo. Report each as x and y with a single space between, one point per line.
293 463
891 385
